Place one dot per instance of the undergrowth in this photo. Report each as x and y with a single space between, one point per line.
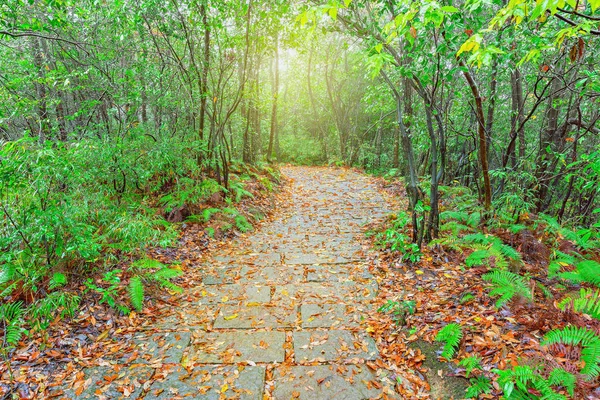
83 213
522 258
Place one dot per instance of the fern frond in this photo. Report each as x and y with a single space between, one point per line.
448 242
470 364
571 335
478 257
589 271
455 227
588 302
136 293
451 335
460 216
560 377
506 285
590 355
479 385
7 273
147 263
209 212
167 273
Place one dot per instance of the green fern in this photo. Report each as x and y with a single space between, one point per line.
136 293
455 227
560 377
516 383
242 224
470 364
207 213
479 386
478 257
11 317
588 302
451 335
589 271
559 260
488 246
506 285
579 336
147 263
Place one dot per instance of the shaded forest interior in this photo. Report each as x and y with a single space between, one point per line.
121 120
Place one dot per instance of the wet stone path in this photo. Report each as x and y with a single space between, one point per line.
277 314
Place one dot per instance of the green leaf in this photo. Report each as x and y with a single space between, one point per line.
136 293
449 9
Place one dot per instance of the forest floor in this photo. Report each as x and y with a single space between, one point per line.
285 311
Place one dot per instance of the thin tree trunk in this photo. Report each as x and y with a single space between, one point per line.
205 67
275 95
483 155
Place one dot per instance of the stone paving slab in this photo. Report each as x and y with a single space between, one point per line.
216 294
210 383
164 347
328 273
316 257
329 316
255 316
315 291
326 382
257 294
189 316
333 345
272 274
109 382
236 346
220 275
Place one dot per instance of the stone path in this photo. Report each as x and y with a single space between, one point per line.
279 314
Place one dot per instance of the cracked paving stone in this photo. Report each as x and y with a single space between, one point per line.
333 345
209 383
236 346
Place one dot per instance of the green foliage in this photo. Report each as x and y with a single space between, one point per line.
516 383
586 271
450 335
11 318
479 385
466 298
396 240
108 289
399 310
470 363
587 302
238 191
560 377
506 285
579 336
242 224
136 292
488 246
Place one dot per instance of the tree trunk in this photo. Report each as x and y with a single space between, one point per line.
275 95
483 155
